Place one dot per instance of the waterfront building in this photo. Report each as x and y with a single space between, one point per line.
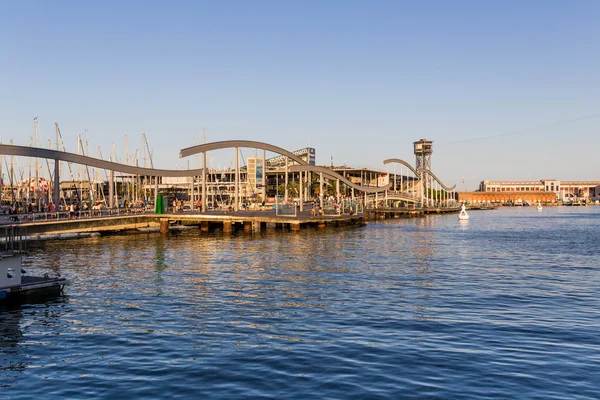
507 197
563 190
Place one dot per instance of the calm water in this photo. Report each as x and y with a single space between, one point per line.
505 305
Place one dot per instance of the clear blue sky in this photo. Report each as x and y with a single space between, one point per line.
359 80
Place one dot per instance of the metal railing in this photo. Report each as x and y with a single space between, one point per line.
11 238
352 207
66 215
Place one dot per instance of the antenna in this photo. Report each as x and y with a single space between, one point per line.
197 155
144 148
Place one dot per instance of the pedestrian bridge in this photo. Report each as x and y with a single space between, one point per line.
406 186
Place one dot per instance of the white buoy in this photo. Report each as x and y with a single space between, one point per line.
463 213
539 206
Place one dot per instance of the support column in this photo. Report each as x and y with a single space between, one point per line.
227 226
247 226
155 191
264 176
203 181
285 196
301 193
337 190
56 193
111 189
422 190
321 190
192 196
237 179
307 177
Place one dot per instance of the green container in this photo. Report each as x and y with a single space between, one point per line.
159 207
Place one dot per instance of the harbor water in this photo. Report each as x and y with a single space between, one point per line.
504 305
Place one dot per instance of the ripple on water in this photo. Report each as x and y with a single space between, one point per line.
503 306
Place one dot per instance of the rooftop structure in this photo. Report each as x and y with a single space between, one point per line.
307 154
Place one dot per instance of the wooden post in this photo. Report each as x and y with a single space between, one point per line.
164 225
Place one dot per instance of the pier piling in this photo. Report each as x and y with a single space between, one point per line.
164 225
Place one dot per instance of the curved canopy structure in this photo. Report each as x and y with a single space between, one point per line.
399 161
94 162
335 175
428 172
418 172
227 144
403 197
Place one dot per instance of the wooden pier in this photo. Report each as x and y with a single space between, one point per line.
227 222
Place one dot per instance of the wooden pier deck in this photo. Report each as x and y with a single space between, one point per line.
227 221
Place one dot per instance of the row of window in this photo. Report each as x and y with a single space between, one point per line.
515 189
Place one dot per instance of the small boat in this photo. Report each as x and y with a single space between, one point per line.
463 216
539 206
15 284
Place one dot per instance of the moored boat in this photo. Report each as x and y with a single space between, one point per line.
15 284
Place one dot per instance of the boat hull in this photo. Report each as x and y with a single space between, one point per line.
32 286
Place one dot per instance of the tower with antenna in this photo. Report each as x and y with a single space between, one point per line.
423 151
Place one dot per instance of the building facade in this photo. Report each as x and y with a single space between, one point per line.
563 190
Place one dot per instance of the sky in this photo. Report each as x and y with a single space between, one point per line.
506 90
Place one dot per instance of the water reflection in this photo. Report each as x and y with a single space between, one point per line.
12 358
378 311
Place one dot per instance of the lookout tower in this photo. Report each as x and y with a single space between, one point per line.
423 151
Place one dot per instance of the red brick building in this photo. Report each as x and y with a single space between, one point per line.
507 197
